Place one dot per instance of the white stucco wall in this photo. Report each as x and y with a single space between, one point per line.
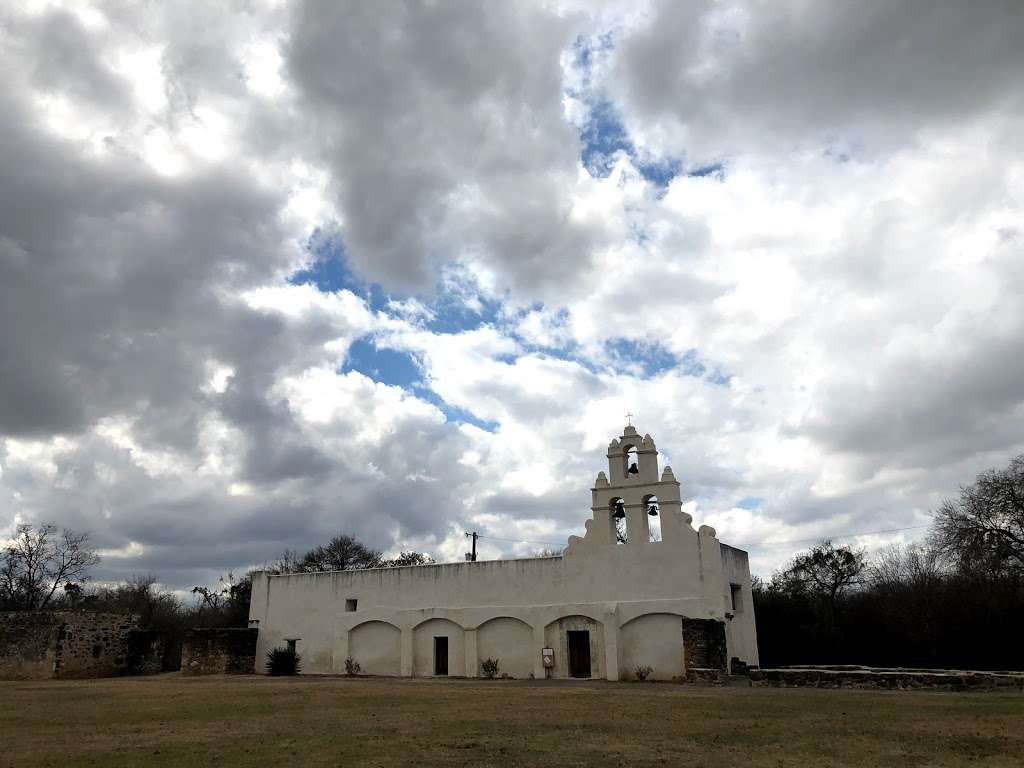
377 646
628 595
652 640
741 630
508 640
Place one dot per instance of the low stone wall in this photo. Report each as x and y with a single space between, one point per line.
36 645
222 651
890 678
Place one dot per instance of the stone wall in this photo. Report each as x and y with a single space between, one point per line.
27 645
37 645
223 651
704 645
890 678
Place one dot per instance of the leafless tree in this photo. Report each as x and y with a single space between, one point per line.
983 529
408 558
39 561
829 570
342 553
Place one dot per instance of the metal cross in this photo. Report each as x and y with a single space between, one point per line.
629 419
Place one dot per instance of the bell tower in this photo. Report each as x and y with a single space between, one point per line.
633 502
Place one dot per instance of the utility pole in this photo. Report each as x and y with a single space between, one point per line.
471 556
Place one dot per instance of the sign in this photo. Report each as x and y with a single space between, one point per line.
548 655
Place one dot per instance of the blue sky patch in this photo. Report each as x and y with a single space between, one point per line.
650 359
603 136
717 170
387 366
330 271
455 414
750 502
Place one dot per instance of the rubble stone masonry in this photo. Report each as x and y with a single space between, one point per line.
36 645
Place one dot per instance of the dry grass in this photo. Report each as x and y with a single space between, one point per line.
256 721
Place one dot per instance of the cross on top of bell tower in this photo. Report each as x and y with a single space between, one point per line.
630 502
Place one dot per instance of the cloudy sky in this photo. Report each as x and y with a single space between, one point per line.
270 271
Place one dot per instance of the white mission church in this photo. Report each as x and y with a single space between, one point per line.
641 588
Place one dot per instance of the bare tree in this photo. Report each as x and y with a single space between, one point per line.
342 553
38 561
407 558
288 562
829 570
984 528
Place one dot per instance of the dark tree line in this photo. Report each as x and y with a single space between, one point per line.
956 600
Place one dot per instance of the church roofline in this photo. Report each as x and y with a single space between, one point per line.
457 563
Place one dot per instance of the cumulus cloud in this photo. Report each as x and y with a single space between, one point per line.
274 272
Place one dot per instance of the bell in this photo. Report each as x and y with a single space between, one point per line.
620 511
652 511
633 470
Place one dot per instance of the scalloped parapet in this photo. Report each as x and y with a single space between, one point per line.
707 530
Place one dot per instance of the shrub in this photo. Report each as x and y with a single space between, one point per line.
642 671
283 661
352 667
490 668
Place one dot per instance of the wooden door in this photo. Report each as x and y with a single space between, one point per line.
579 653
440 655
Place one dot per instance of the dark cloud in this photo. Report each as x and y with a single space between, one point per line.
863 77
443 128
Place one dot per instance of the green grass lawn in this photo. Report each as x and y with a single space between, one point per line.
257 721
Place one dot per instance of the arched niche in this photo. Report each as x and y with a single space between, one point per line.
562 632
652 640
425 645
510 641
377 647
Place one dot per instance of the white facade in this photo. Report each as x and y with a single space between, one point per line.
603 607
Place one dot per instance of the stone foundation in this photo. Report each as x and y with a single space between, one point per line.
36 645
891 678
223 651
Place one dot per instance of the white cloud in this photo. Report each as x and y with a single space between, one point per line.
843 298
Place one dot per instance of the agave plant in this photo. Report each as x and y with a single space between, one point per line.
283 661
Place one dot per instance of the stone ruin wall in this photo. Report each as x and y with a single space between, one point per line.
27 648
225 651
704 645
37 645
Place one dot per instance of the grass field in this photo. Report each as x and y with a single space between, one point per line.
257 721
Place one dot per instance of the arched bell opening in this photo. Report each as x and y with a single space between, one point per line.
653 510
630 461
617 517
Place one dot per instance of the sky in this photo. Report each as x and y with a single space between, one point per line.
273 271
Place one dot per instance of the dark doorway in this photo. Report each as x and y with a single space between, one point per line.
579 653
440 655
